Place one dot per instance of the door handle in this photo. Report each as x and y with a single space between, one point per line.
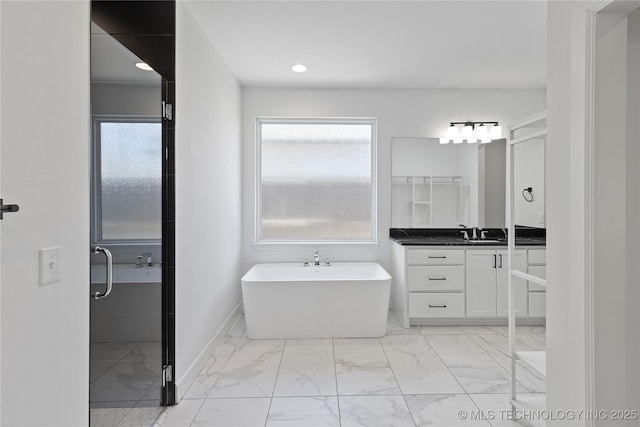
7 209
495 262
500 260
107 254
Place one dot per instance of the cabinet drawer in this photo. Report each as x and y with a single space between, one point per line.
436 305
436 278
538 256
537 304
436 257
538 271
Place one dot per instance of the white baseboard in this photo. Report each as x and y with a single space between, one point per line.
184 382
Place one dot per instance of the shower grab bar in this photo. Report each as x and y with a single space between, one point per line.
107 254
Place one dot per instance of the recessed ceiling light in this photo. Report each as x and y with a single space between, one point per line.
144 66
298 68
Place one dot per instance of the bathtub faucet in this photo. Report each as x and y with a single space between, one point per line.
149 262
316 259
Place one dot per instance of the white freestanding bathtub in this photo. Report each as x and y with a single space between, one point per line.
346 299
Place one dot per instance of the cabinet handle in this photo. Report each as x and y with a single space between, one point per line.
437 256
437 278
495 262
500 260
437 305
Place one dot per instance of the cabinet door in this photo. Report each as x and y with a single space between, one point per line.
519 285
481 282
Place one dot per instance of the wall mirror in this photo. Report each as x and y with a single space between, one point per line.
441 186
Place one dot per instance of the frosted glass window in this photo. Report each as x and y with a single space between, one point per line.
130 180
316 180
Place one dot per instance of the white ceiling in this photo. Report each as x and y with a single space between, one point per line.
380 44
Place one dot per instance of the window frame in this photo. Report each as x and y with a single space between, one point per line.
373 122
96 179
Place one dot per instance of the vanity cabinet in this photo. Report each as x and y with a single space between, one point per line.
461 284
537 266
435 280
487 282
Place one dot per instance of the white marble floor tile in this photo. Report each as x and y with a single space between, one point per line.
497 346
307 369
440 330
140 417
484 330
303 412
149 351
238 329
362 368
536 341
374 411
395 328
476 371
206 378
417 367
107 417
249 412
98 368
251 370
496 408
531 329
443 410
110 350
127 380
180 415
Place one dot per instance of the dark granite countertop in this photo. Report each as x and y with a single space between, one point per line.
525 236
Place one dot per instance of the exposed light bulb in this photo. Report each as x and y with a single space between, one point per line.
485 140
457 141
452 132
444 140
496 132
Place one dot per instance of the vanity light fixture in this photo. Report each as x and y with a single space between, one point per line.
298 68
472 132
144 66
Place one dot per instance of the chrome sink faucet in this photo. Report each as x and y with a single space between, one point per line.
316 259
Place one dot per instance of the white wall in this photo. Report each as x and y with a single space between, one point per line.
528 164
208 186
609 216
566 337
400 113
632 300
45 169
592 340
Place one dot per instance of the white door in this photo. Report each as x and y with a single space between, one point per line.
519 285
44 168
481 268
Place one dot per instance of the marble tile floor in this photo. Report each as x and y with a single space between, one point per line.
124 384
422 376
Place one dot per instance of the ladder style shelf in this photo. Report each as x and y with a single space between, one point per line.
529 129
423 200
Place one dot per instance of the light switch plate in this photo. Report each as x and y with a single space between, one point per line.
49 265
